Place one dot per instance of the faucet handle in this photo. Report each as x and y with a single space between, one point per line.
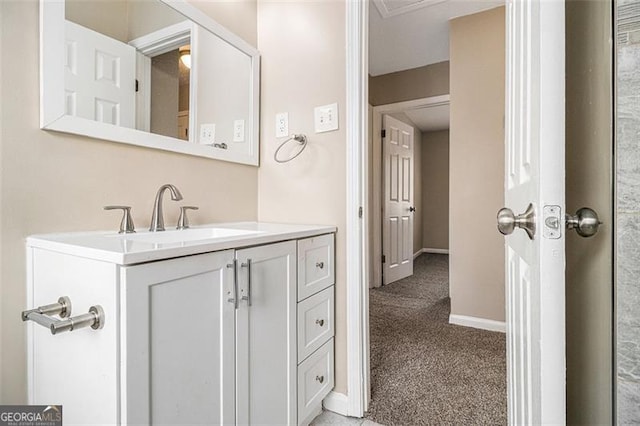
183 220
126 226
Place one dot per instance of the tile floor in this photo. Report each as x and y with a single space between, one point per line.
330 418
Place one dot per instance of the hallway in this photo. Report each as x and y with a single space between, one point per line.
424 370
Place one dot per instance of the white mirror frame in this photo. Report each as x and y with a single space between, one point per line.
52 94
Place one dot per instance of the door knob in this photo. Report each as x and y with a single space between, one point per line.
507 221
585 222
412 209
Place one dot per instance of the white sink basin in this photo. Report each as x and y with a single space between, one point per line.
187 235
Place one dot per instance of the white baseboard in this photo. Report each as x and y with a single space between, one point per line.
481 323
430 250
435 251
336 402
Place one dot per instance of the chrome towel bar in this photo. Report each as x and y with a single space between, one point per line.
42 315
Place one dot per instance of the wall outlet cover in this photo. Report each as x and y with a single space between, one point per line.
326 118
238 130
282 124
207 133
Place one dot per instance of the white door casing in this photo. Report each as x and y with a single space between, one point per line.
534 174
397 225
99 77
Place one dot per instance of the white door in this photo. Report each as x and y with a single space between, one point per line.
266 335
535 114
99 77
178 357
397 223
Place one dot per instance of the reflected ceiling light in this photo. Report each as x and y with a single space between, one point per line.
185 56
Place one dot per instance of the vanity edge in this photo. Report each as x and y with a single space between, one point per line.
100 245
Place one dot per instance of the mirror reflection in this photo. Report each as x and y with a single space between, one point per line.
142 65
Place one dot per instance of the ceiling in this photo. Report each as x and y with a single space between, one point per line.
414 33
430 119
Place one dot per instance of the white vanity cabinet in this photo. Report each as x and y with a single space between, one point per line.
220 337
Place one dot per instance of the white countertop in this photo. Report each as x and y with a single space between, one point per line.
128 249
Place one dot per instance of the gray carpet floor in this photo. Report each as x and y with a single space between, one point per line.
425 371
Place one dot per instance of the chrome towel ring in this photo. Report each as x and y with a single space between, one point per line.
300 138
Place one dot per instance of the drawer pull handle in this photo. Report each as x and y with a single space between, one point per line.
43 315
320 265
320 322
320 379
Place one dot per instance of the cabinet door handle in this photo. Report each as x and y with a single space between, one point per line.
234 298
248 296
320 379
320 322
320 265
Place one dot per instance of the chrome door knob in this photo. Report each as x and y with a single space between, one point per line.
585 222
508 222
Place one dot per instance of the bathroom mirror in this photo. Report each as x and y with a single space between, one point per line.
154 73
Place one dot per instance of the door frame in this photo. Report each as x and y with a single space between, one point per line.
157 43
376 170
355 403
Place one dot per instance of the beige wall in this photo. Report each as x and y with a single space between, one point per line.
107 17
58 183
147 16
477 47
303 65
589 272
416 83
165 79
435 190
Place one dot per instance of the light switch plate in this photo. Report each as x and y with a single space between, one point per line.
238 130
326 118
282 124
207 133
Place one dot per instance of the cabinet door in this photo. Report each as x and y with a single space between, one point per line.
178 341
266 335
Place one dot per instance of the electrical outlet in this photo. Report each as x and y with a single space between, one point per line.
282 124
207 133
238 131
326 118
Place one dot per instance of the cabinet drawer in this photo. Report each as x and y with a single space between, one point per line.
316 269
315 380
315 322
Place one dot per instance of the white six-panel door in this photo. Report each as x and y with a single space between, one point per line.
397 226
99 77
535 174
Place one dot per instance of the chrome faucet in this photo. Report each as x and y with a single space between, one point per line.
157 218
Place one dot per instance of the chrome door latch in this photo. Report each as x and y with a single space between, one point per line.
585 222
552 219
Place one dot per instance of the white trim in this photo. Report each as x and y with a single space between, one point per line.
430 250
435 251
475 322
356 235
337 403
386 13
164 40
376 146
